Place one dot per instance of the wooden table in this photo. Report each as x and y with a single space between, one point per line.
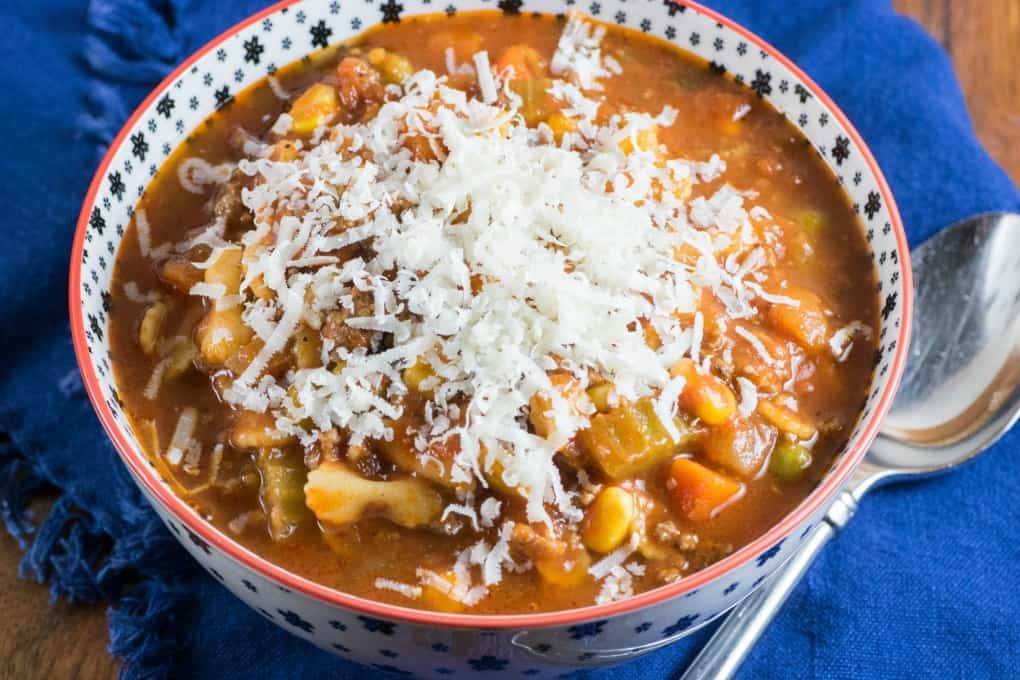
983 37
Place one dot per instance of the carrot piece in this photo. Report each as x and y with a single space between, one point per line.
699 492
525 60
704 395
805 324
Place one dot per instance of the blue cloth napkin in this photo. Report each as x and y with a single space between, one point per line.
924 583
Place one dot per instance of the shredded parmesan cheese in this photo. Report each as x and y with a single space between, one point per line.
485 82
195 174
841 342
407 590
494 259
748 396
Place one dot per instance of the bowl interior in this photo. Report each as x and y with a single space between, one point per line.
284 33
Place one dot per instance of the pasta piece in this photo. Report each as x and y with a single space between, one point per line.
315 107
307 348
253 430
221 334
182 357
435 464
338 496
391 66
226 270
541 405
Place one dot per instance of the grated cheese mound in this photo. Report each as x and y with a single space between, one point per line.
497 257
578 53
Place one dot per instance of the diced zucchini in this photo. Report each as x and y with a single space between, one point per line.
535 101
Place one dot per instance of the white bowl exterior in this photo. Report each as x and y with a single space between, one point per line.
284 35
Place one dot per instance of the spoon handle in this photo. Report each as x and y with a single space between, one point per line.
723 654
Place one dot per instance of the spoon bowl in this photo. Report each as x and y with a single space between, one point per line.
960 392
961 387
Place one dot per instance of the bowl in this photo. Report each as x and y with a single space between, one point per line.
433 644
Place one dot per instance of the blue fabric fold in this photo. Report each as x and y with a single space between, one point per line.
921 584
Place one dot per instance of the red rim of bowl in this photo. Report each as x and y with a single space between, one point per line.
148 477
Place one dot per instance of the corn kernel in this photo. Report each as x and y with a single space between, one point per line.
414 376
567 571
560 124
647 140
608 520
603 396
392 67
315 107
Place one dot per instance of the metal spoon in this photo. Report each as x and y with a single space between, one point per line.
959 394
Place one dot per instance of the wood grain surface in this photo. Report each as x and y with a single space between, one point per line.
983 37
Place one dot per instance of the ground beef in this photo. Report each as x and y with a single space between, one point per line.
336 329
227 204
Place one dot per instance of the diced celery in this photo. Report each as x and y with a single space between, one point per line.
282 491
630 439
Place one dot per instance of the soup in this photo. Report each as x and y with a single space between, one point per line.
494 314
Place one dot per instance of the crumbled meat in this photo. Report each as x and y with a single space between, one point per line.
180 274
672 573
336 329
370 466
358 84
535 546
667 532
227 204
329 444
355 452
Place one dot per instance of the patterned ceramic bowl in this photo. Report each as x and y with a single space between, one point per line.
430 644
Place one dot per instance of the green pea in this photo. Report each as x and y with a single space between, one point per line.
789 461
